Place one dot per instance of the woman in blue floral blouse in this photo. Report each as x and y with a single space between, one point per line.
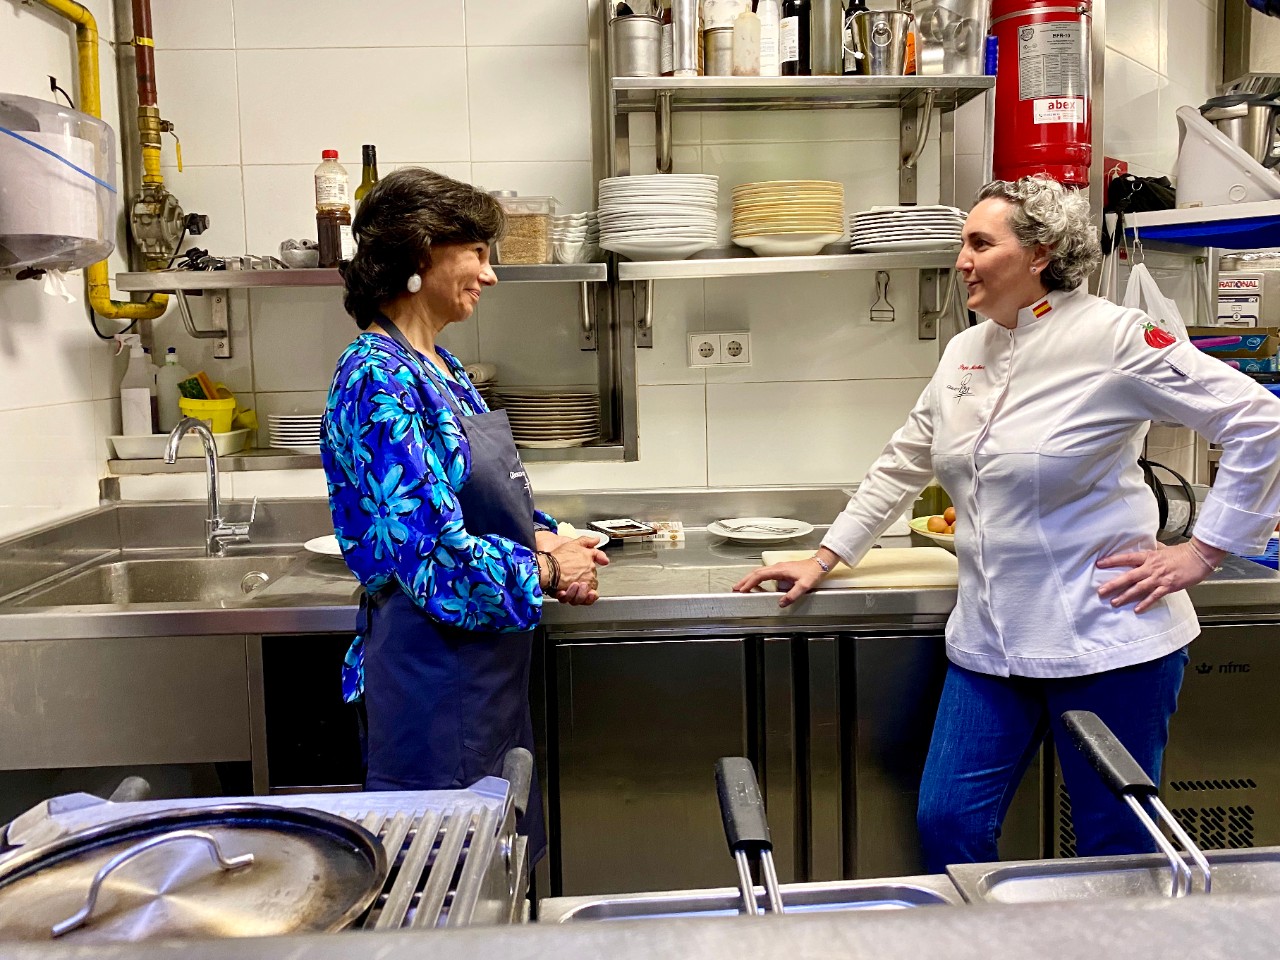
432 506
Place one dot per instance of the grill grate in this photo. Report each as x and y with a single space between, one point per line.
428 855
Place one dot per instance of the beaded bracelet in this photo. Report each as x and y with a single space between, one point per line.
826 567
554 566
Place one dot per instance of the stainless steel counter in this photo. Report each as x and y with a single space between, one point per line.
648 588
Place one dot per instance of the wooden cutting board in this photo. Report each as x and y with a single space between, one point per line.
885 568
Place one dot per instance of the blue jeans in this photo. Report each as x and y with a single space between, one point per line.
988 730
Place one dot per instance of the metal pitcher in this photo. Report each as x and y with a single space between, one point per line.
882 40
1251 121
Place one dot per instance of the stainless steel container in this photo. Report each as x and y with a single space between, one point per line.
717 50
1252 121
634 44
882 38
684 37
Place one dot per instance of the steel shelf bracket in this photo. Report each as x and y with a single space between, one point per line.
934 291
662 131
642 310
221 332
587 317
913 132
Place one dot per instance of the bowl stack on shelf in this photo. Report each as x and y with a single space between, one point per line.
299 432
484 377
781 218
575 238
668 216
551 417
905 228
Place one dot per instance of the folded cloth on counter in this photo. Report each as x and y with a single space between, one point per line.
883 568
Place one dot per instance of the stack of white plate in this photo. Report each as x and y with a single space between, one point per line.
780 218
660 217
484 377
295 431
551 417
889 229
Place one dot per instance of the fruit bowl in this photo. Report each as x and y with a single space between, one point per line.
920 525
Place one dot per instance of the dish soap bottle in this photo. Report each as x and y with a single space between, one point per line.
171 374
135 390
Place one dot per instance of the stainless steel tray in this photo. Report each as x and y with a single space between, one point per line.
893 894
1251 871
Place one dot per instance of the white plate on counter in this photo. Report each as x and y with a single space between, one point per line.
759 529
325 546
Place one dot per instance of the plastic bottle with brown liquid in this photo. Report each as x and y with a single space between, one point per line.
333 211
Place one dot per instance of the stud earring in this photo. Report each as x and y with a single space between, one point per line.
415 283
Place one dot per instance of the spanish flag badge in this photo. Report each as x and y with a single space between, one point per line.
1041 308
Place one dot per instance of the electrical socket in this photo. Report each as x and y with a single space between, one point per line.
735 347
704 349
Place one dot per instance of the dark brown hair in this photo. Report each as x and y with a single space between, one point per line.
399 219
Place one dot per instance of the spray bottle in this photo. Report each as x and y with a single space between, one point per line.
135 389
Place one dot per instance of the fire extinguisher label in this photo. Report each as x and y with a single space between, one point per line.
1059 110
1052 61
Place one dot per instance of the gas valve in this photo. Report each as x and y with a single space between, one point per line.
156 224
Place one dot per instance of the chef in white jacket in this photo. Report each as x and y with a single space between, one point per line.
1033 423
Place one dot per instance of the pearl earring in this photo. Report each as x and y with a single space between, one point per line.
415 283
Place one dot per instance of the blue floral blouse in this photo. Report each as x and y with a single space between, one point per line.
395 457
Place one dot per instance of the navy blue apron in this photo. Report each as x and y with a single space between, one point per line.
444 705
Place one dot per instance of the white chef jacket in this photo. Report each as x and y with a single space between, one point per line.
1035 433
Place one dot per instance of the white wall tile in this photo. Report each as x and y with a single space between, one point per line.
304 401
196 354
1194 45
528 103
684 159
184 25
766 433
1172 95
969 178
280 484
504 24
279 204
799 125
678 310
45 346
1133 29
532 335
36 43
686 128
970 126
51 463
1130 110
340 23
673 451
570 182
167 486
298 335
818 327
197 91
406 100
217 192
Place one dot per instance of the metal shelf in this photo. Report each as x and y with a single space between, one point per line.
640 94
172 280
268 459
1239 226
761 266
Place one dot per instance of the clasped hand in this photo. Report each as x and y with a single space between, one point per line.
1154 574
578 559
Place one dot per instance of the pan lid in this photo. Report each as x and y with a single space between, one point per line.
239 870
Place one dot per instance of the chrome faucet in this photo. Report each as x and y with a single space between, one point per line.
218 532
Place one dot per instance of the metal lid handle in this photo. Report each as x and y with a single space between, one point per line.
81 916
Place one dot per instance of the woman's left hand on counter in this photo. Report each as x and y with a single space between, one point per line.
1154 574
578 558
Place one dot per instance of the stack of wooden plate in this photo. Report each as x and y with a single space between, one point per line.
551 417
779 218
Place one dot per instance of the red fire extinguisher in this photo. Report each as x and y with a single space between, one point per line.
1043 109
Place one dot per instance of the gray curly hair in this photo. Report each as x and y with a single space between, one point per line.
1047 213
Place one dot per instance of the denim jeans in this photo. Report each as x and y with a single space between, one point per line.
988 730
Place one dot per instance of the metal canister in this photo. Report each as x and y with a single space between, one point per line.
634 44
717 48
882 39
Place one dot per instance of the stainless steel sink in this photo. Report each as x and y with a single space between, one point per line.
897 894
215 580
1247 871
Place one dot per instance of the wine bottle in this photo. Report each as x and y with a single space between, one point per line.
370 174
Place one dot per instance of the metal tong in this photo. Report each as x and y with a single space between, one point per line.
747 830
1130 783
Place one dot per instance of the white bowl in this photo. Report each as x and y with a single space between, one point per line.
787 244
151 446
657 249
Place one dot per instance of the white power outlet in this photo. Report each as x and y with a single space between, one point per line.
704 349
735 347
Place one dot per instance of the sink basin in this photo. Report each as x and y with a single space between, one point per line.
171 580
727 901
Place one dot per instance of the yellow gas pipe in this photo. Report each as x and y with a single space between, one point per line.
96 276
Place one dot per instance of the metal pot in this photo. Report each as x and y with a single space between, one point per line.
1251 121
882 40
236 870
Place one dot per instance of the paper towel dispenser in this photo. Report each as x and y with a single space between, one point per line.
57 186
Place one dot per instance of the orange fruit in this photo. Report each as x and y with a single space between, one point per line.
949 514
936 525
